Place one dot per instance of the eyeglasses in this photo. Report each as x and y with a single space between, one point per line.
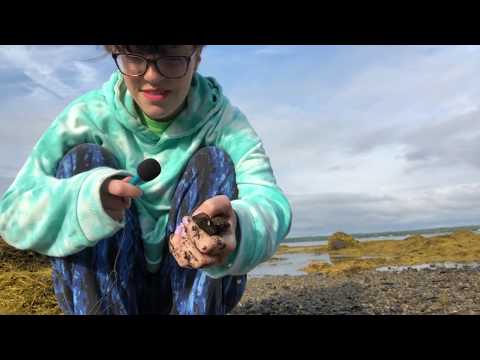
170 67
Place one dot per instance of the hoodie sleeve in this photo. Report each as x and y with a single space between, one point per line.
263 212
58 217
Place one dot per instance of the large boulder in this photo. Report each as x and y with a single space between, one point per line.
340 240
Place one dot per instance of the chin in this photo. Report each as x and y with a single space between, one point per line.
158 114
162 116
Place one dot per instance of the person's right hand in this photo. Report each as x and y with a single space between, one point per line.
117 195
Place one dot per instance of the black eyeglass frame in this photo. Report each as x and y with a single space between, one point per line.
187 59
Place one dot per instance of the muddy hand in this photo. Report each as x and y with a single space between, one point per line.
216 218
183 249
206 234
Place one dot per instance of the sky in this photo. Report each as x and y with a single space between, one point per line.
361 138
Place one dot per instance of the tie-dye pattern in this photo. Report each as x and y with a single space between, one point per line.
110 278
61 217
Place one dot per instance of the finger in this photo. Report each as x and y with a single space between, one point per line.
176 250
123 189
210 245
185 252
179 245
215 206
116 214
127 179
196 259
111 202
206 244
176 239
190 257
189 251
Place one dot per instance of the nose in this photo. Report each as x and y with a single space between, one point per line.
152 73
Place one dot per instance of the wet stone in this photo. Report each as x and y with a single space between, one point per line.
368 292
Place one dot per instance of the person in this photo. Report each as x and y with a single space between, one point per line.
120 248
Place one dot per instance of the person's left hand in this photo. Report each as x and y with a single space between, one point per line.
191 251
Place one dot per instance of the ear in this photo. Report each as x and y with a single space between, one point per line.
198 60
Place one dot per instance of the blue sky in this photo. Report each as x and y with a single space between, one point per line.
361 138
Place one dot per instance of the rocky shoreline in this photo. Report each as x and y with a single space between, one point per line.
412 292
349 285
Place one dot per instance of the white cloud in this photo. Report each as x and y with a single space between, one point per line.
57 75
87 74
413 88
382 138
275 50
55 68
32 63
316 214
404 125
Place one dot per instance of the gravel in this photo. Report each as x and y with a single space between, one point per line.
429 291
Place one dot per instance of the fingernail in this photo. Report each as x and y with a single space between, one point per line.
179 230
185 220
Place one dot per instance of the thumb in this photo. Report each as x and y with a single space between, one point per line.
127 179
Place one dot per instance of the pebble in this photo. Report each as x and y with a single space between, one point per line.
429 291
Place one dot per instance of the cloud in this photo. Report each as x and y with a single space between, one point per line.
454 141
31 62
361 138
446 143
56 69
39 82
275 50
86 74
323 214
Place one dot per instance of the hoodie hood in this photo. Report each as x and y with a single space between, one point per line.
204 99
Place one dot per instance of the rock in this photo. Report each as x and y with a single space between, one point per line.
416 238
212 226
340 240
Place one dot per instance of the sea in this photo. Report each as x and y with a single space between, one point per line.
291 264
388 235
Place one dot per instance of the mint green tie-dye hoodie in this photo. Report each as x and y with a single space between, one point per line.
60 217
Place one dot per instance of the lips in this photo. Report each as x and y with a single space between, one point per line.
156 95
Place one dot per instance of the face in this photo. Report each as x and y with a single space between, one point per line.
158 97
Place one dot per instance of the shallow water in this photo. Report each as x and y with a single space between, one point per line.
305 243
287 264
290 264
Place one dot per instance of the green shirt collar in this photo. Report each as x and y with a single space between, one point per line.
158 127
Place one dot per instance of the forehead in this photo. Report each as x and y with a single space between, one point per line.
159 50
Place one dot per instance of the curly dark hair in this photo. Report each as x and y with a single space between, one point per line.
144 49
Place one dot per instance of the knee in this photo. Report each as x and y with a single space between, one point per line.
85 157
213 165
212 155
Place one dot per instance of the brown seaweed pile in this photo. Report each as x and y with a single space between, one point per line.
461 247
25 283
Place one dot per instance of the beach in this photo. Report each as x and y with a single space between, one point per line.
417 275
411 292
